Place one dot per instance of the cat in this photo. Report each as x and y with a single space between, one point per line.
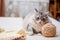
33 23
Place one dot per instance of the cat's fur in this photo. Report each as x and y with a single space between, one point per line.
33 23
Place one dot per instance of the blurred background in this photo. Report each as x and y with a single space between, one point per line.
20 8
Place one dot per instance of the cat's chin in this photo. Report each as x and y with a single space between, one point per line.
40 24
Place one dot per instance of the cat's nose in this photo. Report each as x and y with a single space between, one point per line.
40 22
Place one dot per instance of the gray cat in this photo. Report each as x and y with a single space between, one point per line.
33 23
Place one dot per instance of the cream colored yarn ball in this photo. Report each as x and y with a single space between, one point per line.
49 30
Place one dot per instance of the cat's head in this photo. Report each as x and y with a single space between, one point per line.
40 17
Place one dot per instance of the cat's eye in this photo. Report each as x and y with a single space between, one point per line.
46 17
37 18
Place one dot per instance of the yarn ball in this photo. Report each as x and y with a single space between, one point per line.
49 30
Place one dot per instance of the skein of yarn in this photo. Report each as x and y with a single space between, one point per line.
49 30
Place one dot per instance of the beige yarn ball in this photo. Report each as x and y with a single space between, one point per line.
1 30
49 30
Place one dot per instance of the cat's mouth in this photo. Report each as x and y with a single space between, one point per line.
40 23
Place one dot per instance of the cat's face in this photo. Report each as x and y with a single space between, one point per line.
40 17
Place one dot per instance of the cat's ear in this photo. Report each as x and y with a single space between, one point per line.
47 13
36 10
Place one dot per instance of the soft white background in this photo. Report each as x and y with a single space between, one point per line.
25 6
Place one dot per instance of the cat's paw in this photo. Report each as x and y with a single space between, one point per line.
30 33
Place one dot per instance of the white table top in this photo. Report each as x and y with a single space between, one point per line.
11 23
16 23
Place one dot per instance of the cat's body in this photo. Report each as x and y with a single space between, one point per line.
33 23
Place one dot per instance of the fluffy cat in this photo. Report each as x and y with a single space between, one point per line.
33 23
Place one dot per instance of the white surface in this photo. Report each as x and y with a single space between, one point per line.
11 23
16 23
9 36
